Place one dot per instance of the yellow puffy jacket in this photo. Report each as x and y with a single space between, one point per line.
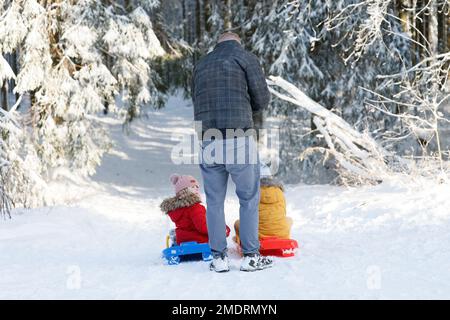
272 213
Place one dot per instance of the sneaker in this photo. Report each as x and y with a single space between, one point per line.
219 264
255 262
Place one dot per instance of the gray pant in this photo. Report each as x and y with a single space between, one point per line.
245 175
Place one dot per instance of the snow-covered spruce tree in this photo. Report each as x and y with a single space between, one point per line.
294 42
187 29
192 28
5 165
132 45
75 57
20 183
175 66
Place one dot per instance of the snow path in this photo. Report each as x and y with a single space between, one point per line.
387 241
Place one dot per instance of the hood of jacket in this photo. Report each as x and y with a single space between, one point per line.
183 199
271 191
271 182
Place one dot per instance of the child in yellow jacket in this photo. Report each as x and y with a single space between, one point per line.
273 221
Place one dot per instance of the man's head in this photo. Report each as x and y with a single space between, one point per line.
226 36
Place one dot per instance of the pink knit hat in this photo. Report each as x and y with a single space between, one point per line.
181 182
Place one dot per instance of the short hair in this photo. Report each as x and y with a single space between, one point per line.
228 35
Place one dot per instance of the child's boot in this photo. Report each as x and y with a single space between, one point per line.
219 263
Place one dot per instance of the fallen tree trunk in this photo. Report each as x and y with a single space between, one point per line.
360 158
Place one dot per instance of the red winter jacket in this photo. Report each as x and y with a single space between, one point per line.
189 216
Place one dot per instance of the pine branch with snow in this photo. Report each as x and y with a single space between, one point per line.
76 57
69 77
294 40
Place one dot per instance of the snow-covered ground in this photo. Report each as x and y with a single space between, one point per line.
386 241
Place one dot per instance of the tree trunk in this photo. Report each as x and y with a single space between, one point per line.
193 19
4 95
201 22
189 31
413 30
425 26
405 15
418 31
128 5
208 12
228 23
183 15
433 29
15 68
443 29
447 25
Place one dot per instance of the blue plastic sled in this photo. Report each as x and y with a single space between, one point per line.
187 251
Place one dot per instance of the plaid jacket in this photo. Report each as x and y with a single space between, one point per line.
228 85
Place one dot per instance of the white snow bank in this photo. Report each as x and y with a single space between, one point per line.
385 241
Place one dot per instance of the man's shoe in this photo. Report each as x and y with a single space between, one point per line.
219 264
255 262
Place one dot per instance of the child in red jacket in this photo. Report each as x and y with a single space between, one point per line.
186 210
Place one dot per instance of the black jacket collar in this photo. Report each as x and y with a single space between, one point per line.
227 43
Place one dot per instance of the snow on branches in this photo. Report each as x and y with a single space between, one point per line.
308 43
131 43
420 90
366 32
5 70
19 165
360 158
424 93
75 58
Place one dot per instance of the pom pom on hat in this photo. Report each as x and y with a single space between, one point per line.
181 182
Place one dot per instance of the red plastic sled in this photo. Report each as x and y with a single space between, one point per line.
272 246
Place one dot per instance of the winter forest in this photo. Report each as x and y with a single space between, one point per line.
360 89
379 65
